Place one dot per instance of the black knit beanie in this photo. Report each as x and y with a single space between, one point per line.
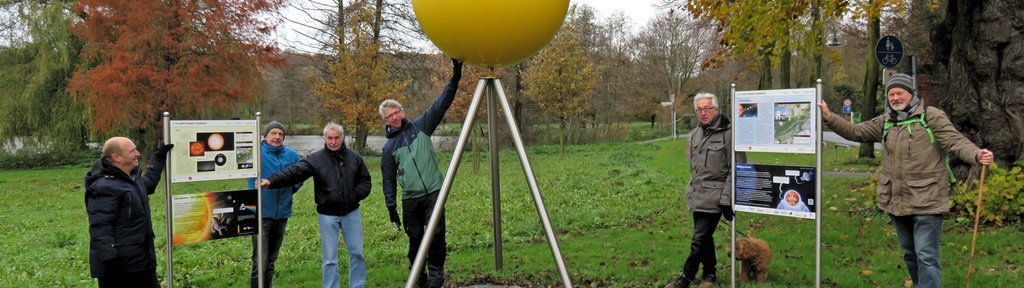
272 125
907 83
900 81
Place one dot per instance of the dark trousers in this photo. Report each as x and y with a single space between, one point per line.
416 213
273 237
702 247
144 278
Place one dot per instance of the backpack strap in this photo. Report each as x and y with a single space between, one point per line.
931 135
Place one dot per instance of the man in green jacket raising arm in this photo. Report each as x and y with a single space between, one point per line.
408 158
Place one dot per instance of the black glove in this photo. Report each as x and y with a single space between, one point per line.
456 69
727 212
395 221
162 151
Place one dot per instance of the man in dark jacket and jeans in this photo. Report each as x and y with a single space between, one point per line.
709 192
277 203
121 250
408 158
340 181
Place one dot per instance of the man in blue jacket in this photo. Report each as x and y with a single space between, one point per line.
277 203
121 251
340 181
408 158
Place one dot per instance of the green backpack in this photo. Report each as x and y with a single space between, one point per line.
931 135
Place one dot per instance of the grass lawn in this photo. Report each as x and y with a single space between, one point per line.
617 210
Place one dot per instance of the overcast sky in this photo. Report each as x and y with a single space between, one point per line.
639 11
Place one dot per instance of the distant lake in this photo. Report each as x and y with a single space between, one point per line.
305 144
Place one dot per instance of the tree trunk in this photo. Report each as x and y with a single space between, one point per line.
765 66
982 44
870 101
784 64
362 131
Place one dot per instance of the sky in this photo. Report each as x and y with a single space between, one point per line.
639 11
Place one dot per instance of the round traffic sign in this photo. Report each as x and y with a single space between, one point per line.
889 51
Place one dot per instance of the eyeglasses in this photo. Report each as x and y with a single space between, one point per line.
393 114
705 109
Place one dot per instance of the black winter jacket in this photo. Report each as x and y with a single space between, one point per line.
120 227
340 179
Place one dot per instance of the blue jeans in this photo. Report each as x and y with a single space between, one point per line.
351 226
919 237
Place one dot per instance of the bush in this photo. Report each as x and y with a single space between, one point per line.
27 159
1002 202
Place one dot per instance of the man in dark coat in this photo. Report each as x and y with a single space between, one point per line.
340 181
121 250
709 191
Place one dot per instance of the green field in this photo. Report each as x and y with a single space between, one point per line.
617 210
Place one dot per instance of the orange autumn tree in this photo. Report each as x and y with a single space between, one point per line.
357 79
195 59
562 78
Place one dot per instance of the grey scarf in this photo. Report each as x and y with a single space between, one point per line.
905 113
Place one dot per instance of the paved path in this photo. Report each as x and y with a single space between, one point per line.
826 136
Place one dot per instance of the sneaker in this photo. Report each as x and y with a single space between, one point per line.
680 282
707 281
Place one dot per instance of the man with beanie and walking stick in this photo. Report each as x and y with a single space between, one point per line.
915 182
277 202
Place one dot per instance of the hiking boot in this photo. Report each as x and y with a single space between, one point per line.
707 282
435 278
681 281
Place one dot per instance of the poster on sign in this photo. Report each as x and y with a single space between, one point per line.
782 120
217 149
775 190
214 215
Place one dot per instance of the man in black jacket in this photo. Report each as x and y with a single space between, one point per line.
121 251
340 181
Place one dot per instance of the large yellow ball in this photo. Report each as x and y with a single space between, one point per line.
490 33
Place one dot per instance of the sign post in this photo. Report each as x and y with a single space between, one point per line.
847 107
889 51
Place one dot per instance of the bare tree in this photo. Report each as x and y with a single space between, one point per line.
671 50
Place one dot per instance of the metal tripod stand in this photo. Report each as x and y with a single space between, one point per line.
492 87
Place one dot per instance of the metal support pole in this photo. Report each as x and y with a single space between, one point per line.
492 128
494 86
258 153
167 203
537 197
817 190
732 176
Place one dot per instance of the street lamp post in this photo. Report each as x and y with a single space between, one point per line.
672 105
672 98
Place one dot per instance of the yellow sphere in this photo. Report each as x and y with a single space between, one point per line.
490 33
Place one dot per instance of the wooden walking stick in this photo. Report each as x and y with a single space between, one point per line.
977 218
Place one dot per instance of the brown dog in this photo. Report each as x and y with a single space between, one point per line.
755 255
